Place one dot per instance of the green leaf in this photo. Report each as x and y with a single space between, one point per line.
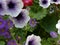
48 41
2 43
6 17
49 23
39 15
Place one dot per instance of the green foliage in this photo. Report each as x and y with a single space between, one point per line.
2 43
49 41
49 22
39 15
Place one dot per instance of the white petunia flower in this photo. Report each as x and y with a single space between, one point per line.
55 1
58 26
22 19
44 3
33 40
14 7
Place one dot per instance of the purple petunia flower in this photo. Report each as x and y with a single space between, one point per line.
9 24
14 7
3 31
2 23
53 34
22 19
11 42
7 35
32 22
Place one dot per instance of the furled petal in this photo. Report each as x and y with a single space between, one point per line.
53 34
14 7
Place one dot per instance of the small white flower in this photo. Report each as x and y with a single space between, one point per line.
58 26
44 3
55 1
33 40
14 7
22 19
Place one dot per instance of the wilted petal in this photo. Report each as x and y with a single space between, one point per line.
14 7
44 3
33 40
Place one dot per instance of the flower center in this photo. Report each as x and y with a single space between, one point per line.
0 6
9 23
55 0
12 43
44 1
3 30
20 16
31 42
0 23
33 22
11 5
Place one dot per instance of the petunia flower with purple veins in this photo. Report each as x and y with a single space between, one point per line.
2 7
7 35
9 24
33 40
14 7
53 34
55 1
44 3
2 23
11 42
22 19
32 22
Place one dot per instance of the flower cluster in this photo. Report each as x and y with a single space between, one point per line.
15 10
5 25
17 25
